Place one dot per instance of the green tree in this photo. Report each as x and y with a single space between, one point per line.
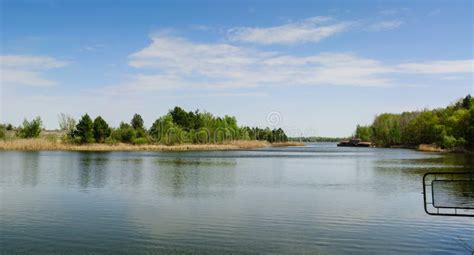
2 131
180 117
470 130
165 131
364 133
386 130
125 133
450 127
84 132
30 129
138 126
137 122
467 102
101 129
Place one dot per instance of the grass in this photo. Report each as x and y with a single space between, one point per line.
46 143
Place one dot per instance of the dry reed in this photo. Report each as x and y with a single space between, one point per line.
38 144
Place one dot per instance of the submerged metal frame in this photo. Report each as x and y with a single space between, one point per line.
445 177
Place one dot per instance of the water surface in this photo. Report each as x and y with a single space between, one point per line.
314 199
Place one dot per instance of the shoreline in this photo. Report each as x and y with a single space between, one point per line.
431 148
39 144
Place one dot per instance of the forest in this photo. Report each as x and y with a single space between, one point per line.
176 127
451 127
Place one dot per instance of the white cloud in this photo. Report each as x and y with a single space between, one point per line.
439 67
27 70
92 47
175 63
30 62
309 30
385 25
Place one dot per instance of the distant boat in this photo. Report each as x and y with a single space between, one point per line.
354 143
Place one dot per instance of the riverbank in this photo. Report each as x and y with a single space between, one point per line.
432 148
40 144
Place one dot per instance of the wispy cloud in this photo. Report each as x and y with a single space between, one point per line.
174 63
385 25
199 27
389 12
312 29
92 47
28 70
439 67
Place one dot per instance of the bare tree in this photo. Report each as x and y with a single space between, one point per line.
66 122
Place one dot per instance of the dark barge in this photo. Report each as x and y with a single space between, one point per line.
354 143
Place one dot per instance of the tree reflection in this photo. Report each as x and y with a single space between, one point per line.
30 168
196 176
93 170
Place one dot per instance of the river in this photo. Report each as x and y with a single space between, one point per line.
318 199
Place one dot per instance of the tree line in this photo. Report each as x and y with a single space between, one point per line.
451 127
313 139
177 126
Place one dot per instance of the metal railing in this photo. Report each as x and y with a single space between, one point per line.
459 179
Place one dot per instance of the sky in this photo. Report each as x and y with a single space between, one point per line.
313 68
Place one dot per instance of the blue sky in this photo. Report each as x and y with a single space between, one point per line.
316 67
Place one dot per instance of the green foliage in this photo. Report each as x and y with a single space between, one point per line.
470 130
275 135
111 140
101 130
84 132
364 133
30 129
137 122
125 133
9 127
451 127
165 131
138 126
140 141
2 131
467 102
177 126
386 130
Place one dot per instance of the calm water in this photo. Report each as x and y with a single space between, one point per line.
314 199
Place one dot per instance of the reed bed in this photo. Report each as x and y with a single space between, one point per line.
430 148
287 144
39 144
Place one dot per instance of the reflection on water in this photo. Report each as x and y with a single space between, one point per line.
458 193
314 199
195 177
30 169
92 170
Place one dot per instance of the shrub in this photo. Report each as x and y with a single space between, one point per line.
111 141
140 140
125 133
2 131
30 129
